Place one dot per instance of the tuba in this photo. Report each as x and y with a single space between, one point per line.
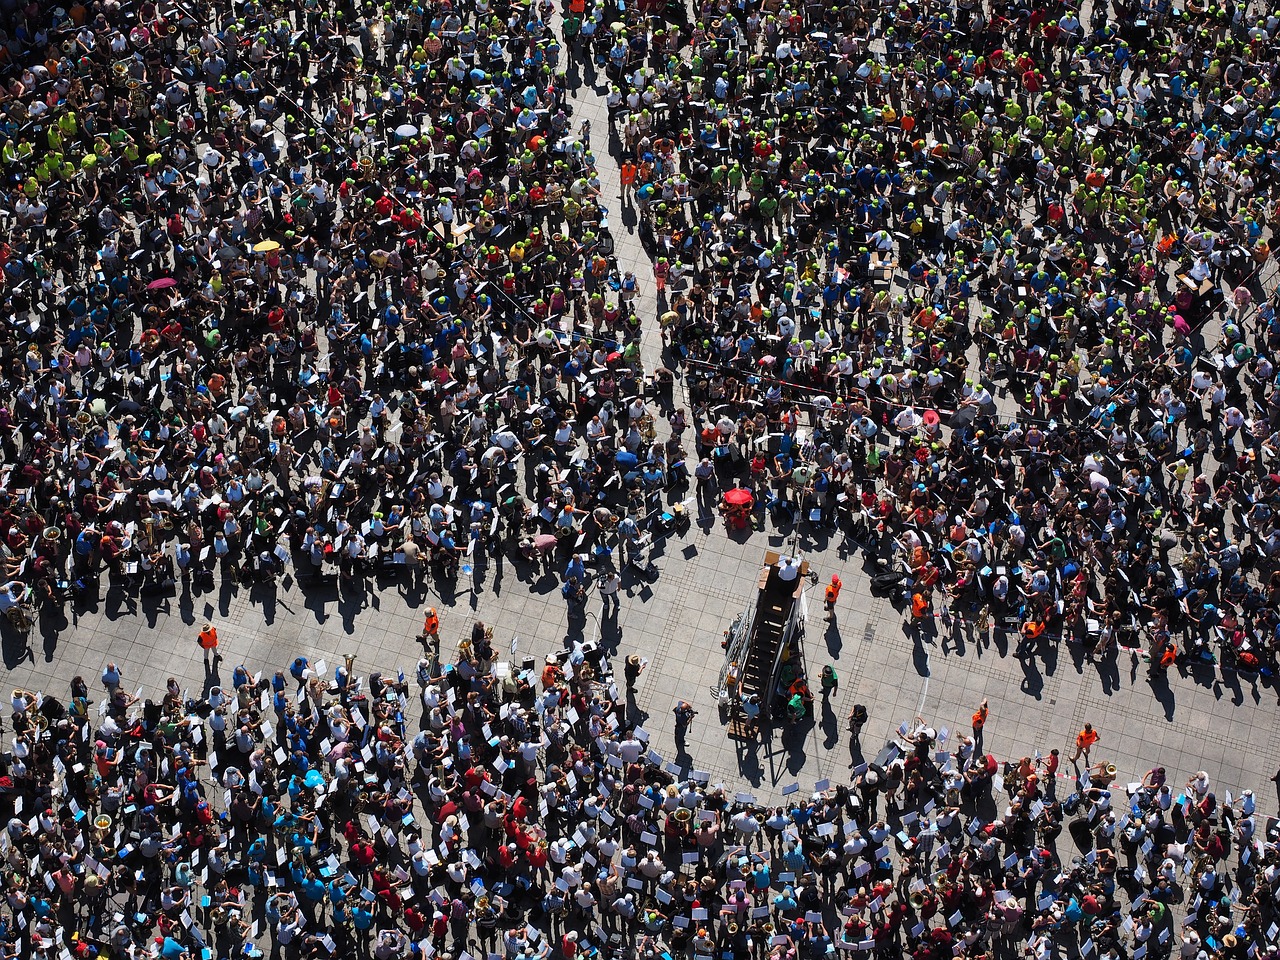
647 429
918 899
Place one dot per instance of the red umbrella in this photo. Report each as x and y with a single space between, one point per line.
164 283
739 497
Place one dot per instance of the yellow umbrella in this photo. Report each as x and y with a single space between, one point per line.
266 246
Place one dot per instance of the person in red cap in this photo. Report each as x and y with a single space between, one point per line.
832 595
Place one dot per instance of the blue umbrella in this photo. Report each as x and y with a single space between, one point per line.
626 458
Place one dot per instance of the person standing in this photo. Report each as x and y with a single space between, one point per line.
829 681
208 642
627 178
832 595
431 628
1050 776
979 723
609 585
1085 740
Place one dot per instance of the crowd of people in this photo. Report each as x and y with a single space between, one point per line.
515 809
325 285
331 287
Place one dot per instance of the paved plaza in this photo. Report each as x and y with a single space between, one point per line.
1198 721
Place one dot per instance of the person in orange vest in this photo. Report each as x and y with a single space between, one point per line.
627 176
1031 631
979 721
431 627
919 606
1085 740
833 594
208 641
